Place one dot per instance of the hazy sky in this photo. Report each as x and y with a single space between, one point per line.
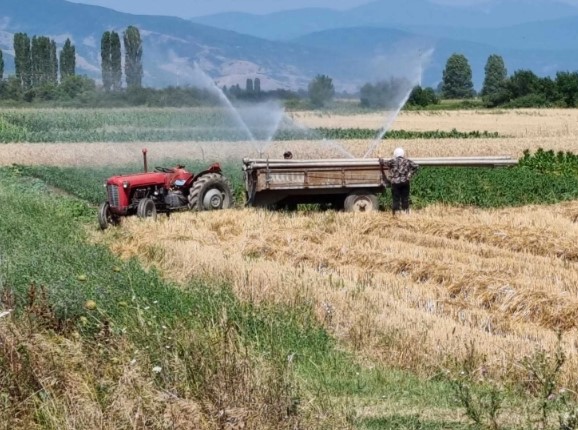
190 8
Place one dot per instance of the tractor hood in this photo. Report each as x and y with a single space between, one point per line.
138 180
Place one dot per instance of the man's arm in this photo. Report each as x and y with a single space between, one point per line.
389 164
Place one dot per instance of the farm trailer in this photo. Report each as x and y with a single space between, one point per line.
351 184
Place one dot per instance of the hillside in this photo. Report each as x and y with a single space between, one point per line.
170 45
351 48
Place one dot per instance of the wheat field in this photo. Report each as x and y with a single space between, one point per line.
409 291
515 123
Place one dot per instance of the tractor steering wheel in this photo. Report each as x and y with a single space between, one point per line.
164 170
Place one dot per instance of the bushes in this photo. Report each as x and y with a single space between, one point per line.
423 97
529 101
551 163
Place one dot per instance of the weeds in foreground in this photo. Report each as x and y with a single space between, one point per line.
547 404
207 377
481 399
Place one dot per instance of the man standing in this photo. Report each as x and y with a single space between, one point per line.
402 170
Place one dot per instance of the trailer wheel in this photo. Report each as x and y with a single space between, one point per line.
360 201
106 217
210 192
146 209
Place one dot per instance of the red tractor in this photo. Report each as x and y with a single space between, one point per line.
163 191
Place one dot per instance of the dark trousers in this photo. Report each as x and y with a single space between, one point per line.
400 196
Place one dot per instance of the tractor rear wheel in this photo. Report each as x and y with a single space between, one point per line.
106 217
360 201
210 192
146 209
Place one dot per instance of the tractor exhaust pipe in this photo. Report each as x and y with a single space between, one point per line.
144 158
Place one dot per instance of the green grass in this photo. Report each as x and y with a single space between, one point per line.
408 422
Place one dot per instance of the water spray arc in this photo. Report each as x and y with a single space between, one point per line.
209 84
400 98
390 119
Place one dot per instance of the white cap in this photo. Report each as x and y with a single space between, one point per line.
398 152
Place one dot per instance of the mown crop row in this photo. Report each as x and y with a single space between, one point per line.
146 125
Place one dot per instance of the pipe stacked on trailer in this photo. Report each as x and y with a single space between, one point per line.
476 161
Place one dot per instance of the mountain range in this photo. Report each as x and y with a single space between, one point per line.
286 49
406 15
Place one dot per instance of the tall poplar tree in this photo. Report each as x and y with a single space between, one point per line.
67 60
43 56
34 61
105 64
1 65
133 57
115 61
22 60
496 75
53 64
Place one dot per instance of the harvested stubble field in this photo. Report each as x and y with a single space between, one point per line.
410 291
517 123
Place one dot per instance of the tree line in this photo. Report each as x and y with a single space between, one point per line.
521 89
43 73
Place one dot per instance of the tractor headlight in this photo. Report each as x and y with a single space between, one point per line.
125 184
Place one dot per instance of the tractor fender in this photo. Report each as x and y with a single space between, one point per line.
214 168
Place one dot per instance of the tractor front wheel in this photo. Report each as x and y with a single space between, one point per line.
210 192
146 209
106 217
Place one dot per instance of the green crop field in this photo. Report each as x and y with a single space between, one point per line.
146 125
